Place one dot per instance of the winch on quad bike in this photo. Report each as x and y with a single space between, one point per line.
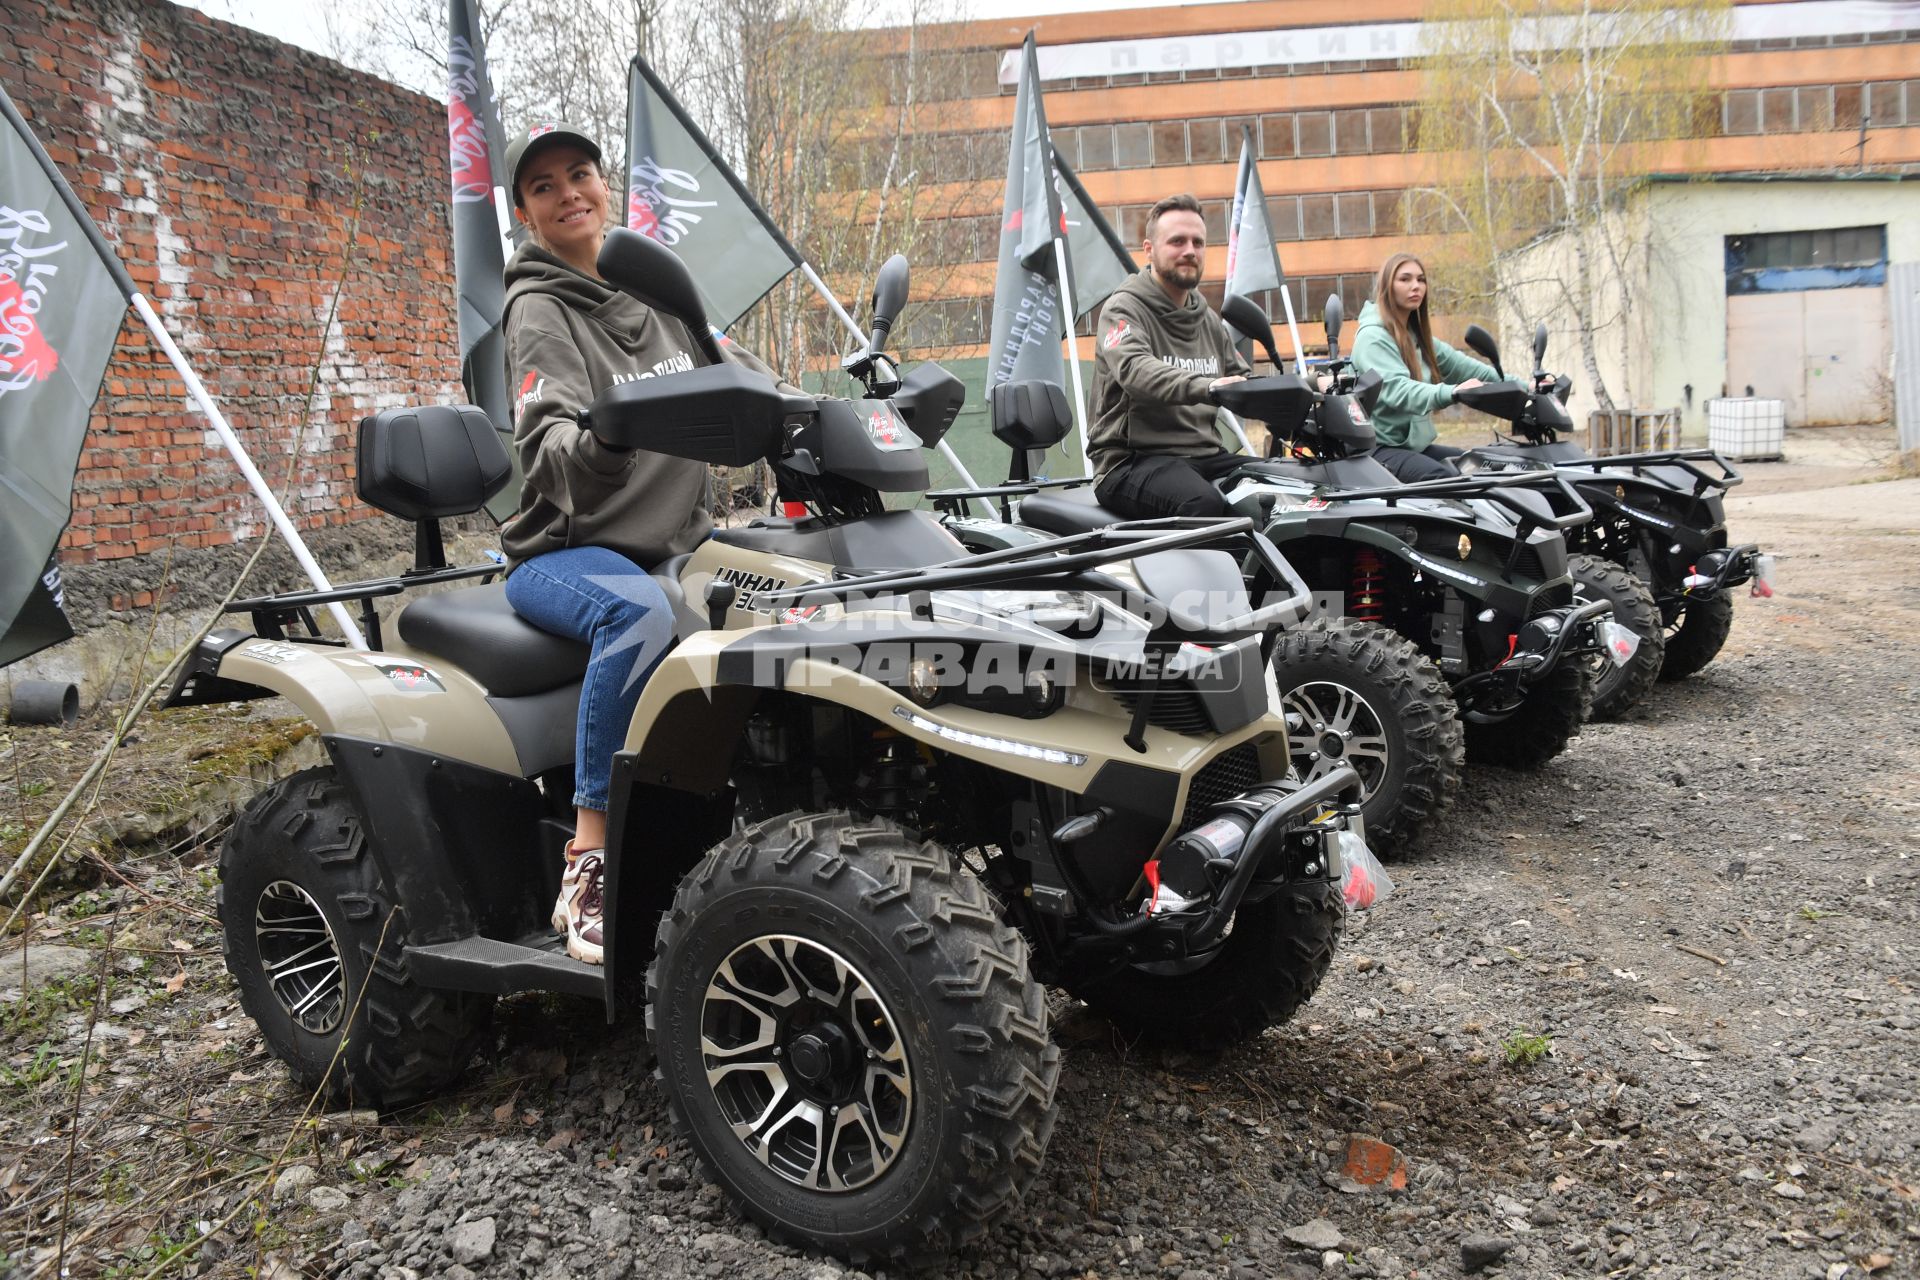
875 795
1659 515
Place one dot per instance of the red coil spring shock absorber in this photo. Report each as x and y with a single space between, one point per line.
1366 597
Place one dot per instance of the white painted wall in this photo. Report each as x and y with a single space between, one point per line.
1678 233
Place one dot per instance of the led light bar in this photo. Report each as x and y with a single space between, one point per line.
1025 750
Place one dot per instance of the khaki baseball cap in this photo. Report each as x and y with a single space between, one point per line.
537 138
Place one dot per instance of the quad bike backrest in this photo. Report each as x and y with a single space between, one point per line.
1028 417
427 461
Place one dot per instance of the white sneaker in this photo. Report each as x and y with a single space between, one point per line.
584 907
569 885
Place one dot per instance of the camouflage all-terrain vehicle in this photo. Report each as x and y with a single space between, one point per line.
878 793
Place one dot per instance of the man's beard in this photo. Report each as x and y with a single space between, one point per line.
1181 276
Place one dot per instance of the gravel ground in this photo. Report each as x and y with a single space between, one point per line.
1705 917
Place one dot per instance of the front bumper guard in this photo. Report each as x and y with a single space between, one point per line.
1274 850
1720 569
1539 646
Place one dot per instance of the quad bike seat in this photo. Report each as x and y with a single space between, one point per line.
1558 451
477 630
1067 512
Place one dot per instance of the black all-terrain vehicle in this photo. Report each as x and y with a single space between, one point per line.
878 793
1657 515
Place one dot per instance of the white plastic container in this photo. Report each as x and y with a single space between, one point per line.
1747 428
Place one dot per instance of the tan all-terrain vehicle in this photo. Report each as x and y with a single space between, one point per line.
878 793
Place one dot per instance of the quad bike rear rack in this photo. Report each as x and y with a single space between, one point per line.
1683 458
1571 508
1063 557
274 615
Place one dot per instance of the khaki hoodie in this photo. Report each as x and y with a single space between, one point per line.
570 337
1153 364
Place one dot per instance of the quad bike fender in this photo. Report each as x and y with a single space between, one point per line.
1664 512
1477 580
378 696
687 727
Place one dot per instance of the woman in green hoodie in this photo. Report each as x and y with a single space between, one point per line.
1394 339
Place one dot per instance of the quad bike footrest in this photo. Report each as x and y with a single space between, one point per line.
494 967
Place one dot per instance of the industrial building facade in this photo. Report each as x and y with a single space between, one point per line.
1146 102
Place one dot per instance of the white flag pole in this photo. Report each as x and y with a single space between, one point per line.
1073 350
1299 352
247 469
833 304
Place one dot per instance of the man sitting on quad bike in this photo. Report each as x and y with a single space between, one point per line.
592 519
1395 340
1162 353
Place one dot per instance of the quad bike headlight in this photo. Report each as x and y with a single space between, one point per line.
1043 691
923 681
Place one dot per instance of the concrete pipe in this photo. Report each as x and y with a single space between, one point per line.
45 702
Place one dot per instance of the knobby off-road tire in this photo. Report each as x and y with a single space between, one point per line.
314 939
1617 689
1548 719
1269 965
892 958
1697 635
1367 697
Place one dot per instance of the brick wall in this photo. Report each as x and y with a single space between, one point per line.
227 168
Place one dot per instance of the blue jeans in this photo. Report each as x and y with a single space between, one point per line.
603 598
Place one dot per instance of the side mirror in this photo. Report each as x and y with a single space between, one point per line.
647 270
1482 342
1336 315
1539 345
1246 317
889 296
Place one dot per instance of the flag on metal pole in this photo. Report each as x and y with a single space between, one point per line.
476 150
680 192
1100 260
1033 281
1253 259
63 294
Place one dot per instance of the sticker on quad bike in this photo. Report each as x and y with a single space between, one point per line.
272 652
889 431
408 677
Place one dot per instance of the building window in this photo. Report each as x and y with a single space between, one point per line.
1790 261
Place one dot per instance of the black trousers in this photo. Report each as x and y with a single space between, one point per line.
1411 466
1149 485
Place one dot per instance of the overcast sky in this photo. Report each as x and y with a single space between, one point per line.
302 24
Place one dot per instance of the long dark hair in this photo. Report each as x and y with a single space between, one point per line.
1413 332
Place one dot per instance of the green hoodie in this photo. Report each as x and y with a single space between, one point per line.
1403 416
1154 362
570 337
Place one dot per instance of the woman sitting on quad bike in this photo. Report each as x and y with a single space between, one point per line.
1395 338
592 518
